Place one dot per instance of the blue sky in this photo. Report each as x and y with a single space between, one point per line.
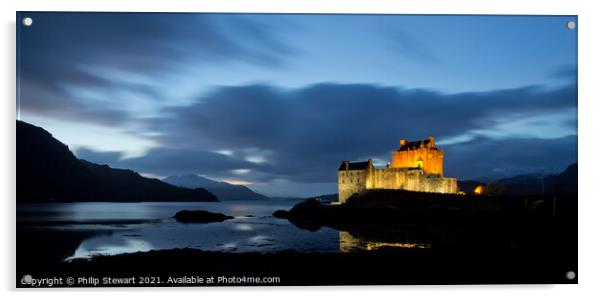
277 101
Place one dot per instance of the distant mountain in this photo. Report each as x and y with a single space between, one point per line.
223 190
567 181
526 184
534 184
563 183
47 171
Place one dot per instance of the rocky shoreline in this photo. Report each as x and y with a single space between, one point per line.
389 207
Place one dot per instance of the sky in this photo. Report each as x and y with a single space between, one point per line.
277 101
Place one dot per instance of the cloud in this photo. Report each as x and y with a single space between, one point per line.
568 72
499 158
296 138
103 157
410 46
170 161
303 134
117 70
80 65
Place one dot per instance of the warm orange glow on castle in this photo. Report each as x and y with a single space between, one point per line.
417 166
420 154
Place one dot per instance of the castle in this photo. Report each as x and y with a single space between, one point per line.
416 166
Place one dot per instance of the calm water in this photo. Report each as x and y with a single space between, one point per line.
131 227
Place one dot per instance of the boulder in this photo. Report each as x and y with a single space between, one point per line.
200 216
280 214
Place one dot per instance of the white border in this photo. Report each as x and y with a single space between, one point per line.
589 143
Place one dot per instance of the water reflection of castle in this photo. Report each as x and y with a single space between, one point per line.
350 243
417 166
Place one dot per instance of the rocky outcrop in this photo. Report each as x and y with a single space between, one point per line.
200 216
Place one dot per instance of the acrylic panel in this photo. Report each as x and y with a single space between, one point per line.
204 149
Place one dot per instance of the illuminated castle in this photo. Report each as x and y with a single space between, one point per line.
417 166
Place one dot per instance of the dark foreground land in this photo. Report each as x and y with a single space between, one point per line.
471 240
384 266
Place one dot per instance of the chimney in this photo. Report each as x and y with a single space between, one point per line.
431 140
346 165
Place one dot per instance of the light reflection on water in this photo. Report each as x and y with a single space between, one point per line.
267 235
149 225
131 211
132 227
350 243
109 245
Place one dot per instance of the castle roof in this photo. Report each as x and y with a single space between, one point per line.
413 145
360 165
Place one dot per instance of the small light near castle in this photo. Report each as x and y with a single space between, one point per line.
478 190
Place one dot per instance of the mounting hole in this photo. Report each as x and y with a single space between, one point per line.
571 25
26 279
570 275
27 21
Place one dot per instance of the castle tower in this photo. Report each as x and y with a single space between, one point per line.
419 154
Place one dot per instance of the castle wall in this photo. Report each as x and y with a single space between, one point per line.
411 180
432 159
351 182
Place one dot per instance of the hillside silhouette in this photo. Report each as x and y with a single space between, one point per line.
47 171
